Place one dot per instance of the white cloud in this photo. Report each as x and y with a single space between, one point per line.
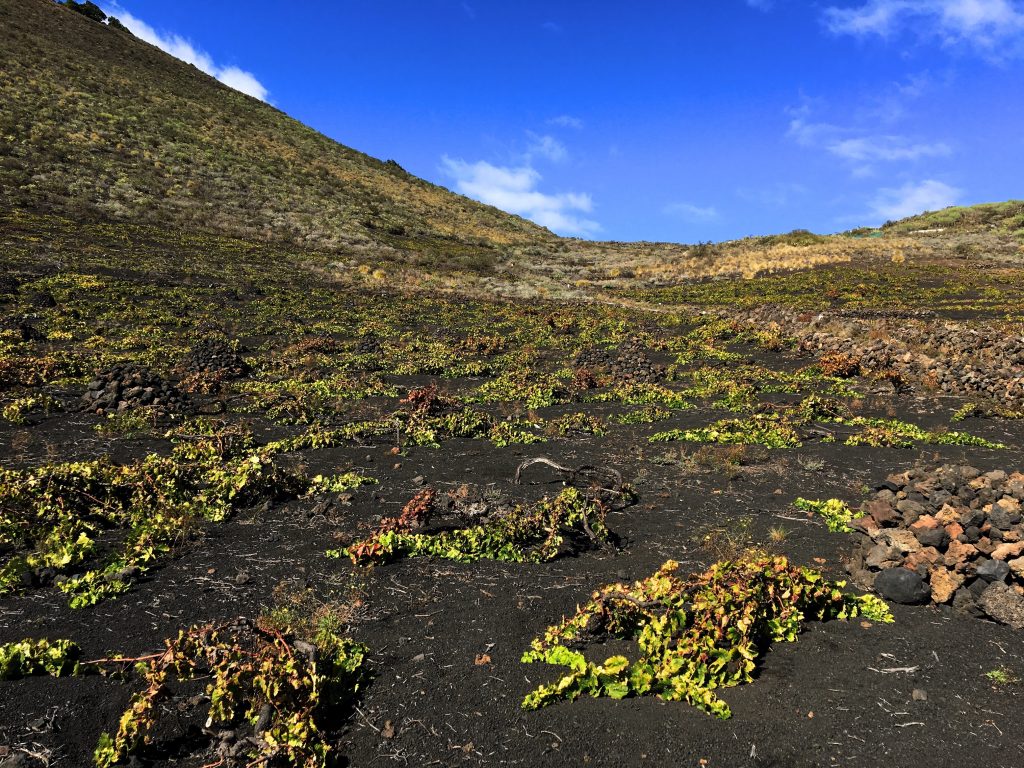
808 134
867 149
862 150
566 121
690 212
912 198
777 195
547 147
180 48
994 26
515 190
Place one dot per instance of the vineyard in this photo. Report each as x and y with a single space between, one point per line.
251 518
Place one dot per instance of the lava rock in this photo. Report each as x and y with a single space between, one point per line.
1003 604
902 586
216 355
993 570
964 602
933 537
127 386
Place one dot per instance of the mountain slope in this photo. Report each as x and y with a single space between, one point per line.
94 122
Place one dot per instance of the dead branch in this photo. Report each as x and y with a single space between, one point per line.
602 477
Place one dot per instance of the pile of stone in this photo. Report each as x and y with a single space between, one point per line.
594 358
215 355
24 327
952 358
634 365
629 363
127 386
369 344
41 299
8 287
950 536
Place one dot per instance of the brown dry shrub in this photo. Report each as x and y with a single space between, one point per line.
840 365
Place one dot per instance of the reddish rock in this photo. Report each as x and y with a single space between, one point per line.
924 521
944 584
1017 567
947 515
1008 551
958 554
882 512
954 530
926 556
866 525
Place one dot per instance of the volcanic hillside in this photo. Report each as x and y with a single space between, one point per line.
98 123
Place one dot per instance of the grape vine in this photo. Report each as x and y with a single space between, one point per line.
693 635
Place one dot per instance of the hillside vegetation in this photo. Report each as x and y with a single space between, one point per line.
99 126
98 123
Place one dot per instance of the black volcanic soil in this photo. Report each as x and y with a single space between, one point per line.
841 695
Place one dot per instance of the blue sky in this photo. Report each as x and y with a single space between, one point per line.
680 121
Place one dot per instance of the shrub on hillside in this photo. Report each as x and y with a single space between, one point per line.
88 9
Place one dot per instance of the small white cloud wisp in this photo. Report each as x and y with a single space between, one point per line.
893 203
515 190
180 48
995 27
566 121
862 150
690 212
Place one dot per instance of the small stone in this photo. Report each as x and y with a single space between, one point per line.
243 578
882 556
866 525
947 515
932 537
1003 604
959 553
924 559
944 583
902 540
1008 551
1017 566
911 510
419 480
902 586
882 513
965 603
919 694
993 570
924 522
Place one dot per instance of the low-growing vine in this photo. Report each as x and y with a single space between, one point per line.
765 430
693 635
270 695
534 533
836 514
25 658
279 689
92 528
